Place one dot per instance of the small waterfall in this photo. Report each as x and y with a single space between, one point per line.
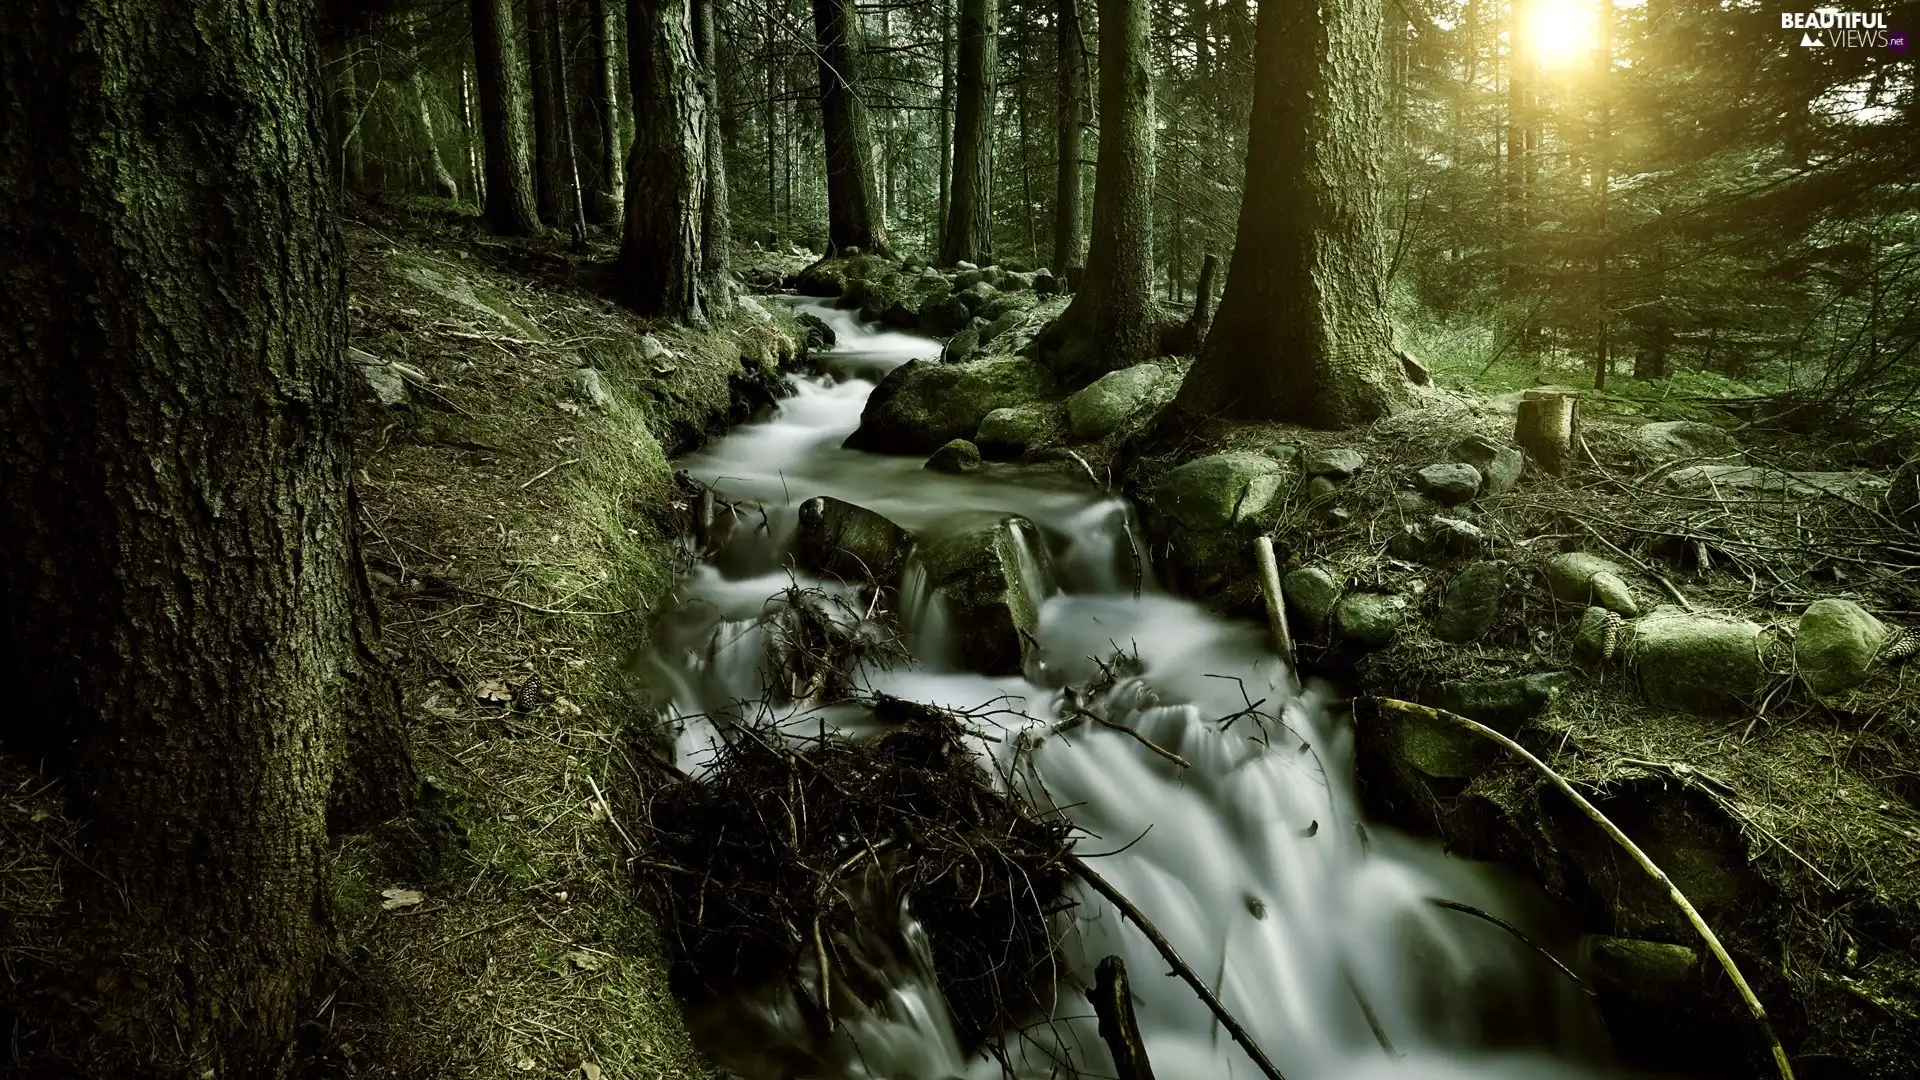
1313 927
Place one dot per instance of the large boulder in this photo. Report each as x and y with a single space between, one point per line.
840 539
944 317
1006 433
1310 593
991 572
1579 578
1499 464
1100 409
1221 489
1695 663
922 405
1836 644
1472 602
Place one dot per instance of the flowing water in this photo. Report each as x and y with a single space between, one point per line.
1255 862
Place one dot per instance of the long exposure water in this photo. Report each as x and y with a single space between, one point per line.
1255 862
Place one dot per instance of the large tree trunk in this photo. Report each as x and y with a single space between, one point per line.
609 196
1111 323
1301 334
553 165
853 199
666 172
969 232
503 96
716 226
186 640
1069 231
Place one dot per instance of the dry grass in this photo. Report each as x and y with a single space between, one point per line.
518 540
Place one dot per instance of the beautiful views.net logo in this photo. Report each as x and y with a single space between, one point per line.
1844 29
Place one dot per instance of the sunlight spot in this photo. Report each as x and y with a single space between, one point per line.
1560 33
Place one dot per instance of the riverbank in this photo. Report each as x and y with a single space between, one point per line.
520 521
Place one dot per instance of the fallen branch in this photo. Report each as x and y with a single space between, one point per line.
1137 737
1172 957
1518 935
1119 1029
1757 1010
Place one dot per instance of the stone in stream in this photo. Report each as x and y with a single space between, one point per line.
1577 577
921 405
1006 433
1219 490
1835 645
990 572
1335 463
1695 663
958 456
1100 409
1499 464
1369 620
842 540
819 334
1310 593
1472 602
1448 483
1648 974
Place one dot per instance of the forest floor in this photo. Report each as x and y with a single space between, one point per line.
520 518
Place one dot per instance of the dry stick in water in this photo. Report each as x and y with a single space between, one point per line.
1172 957
1119 1029
1757 1010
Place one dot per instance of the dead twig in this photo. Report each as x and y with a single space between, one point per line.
1518 935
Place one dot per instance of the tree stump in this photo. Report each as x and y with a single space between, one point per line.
1546 425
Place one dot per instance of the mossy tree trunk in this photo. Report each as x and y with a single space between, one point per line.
608 196
853 196
1069 227
1301 334
667 169
510 207
716 226
186 641
1111 322
969 232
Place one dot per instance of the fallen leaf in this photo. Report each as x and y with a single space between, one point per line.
589 1070
586 961
400 898
525 1064
495 691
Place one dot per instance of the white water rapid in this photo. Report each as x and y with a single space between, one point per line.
1255 862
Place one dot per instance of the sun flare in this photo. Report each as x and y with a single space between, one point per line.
1559 33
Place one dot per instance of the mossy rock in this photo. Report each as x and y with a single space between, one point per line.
850 542
1102 408
1577 577
1310 592
1836 644
922 405
990 572
1006 433
1369 620
1695 663
958 456
1472 602
1221 489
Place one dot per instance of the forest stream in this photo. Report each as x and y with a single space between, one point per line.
1317 930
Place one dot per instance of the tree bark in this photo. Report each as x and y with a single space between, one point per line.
1111 322
666 171
1069 229
438 174
1301 334
510 207
552 164
187 641
946 120
969 232
716 224
853 199
609 196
